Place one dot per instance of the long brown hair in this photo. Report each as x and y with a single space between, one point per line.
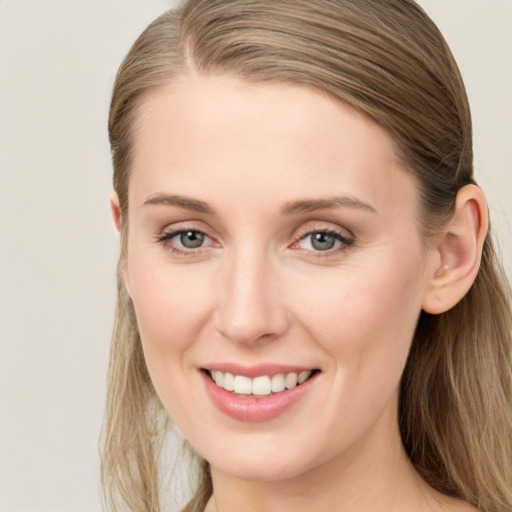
388 60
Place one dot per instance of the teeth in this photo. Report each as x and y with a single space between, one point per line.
218 377
242 385
229 382
260 386
290 381
278 383
303 376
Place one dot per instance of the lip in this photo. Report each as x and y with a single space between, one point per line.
249 409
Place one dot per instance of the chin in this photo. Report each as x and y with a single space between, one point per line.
264 459
270 470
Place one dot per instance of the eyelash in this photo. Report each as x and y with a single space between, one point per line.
345 242
165 238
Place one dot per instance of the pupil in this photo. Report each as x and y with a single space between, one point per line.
322 241
191 239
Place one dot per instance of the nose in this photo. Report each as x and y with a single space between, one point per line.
250 308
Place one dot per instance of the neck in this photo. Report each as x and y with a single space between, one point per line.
371 475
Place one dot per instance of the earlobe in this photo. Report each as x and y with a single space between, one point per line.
115 208
459 252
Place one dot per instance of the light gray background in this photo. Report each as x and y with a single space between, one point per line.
58 248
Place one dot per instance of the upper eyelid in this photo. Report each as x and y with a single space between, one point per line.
171 233
308 229
343 239
180 227
326 230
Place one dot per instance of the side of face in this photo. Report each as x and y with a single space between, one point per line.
269 227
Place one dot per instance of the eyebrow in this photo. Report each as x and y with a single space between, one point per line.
291 208
186 203
313 205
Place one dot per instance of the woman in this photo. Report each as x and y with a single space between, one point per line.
307 284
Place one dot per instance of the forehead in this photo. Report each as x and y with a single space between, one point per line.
293 140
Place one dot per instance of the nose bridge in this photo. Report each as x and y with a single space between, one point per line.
249 308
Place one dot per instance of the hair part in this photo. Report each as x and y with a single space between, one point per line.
387 60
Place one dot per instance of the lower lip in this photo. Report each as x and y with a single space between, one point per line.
246 408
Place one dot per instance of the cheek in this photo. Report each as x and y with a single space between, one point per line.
170 307
365 318
168 302
364 322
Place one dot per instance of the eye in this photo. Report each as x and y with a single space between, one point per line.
188 239
323 241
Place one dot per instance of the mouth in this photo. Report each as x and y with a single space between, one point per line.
258 393
260 386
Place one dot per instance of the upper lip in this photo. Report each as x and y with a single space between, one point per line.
257 370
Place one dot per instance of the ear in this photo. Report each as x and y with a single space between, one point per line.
458 252
116 210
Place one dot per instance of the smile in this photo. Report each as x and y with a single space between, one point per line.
262 394
260 386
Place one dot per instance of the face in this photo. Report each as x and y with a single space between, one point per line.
272 236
